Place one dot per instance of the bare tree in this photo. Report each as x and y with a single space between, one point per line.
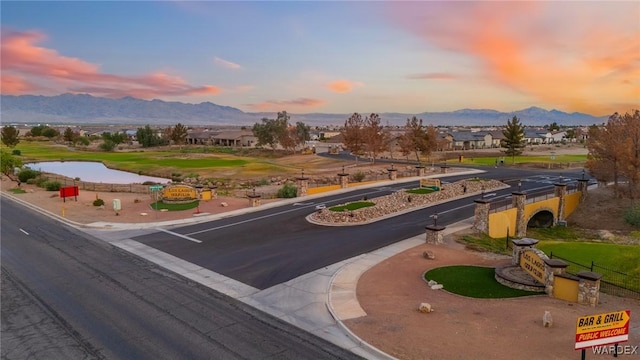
353 134
374 136
614 152
415 139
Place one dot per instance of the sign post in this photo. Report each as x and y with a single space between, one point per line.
602 329
155 189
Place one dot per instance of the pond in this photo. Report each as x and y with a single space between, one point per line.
92 172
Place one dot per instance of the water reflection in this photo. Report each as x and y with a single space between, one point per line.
92 172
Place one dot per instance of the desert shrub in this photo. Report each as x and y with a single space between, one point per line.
261 182
98 202
108 145
16 152
632 215
27 174
41 180
288 191
358 177
52 185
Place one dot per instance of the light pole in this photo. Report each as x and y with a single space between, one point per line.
519 185
435 219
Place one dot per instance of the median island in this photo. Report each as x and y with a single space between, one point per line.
400 202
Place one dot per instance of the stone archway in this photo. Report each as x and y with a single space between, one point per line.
541 219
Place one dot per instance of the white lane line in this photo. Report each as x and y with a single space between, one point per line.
180 235
26 233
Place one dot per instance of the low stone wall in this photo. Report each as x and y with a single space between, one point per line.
99 187
401 200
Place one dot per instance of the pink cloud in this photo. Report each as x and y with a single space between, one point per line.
432 76
227 64
547 50
278 105
343 86
16 85
46 68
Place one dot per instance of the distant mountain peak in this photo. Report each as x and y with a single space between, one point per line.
84 108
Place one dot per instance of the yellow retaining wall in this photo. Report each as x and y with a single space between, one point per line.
364 183
549 204
565 289
498 223
571 203
321 189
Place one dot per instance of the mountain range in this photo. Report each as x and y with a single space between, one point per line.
87 109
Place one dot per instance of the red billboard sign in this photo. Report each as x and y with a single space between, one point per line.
69 191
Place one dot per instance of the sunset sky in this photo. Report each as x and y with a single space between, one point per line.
330 56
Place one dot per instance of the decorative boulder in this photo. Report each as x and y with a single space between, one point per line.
547 320
425 308
429 255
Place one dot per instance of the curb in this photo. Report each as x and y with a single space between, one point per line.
379 354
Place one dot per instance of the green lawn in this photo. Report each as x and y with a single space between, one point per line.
421 191
623 258
174 207
154 162
473 281
352 206
558 159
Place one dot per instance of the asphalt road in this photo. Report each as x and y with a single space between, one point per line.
68 296
269 247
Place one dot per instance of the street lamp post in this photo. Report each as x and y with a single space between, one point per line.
519 185
435 219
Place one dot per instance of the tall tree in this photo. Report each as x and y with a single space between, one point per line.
147 137
553 126
178 134
513 141
272 132
417 139
353 137
374 136
68 135
10 136
284 133
37 130
614 151
8 163
302 133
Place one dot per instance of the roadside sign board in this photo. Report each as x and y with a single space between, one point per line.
602 329
155 187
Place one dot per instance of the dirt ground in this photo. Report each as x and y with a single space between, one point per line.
135 207
464 328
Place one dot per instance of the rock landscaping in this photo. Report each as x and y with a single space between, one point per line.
403 201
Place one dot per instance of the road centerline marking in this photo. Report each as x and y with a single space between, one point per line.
26 233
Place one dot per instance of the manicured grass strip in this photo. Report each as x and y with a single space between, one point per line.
483 242
473 281
174 207
352 206
623 258
558 159
421 191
